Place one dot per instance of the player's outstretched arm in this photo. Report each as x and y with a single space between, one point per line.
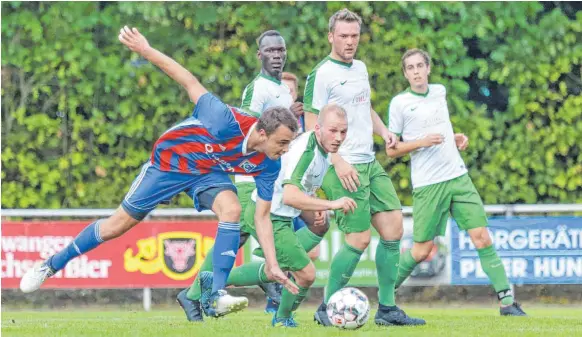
138 43
294 197
404 148
266 240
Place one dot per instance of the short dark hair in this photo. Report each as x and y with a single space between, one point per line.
276 116
343 15
265 34
415 51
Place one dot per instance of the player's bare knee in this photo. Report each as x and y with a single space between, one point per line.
421 250
319 229
306 276
232 213
480 237
314 253
359 240
389 224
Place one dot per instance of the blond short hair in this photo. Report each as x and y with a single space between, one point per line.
343 15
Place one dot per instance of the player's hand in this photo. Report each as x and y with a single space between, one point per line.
391 140
297 109
345 204
433 139
319 218
461 141
133 40
275 273
348 175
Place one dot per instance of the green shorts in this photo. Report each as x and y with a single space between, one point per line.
432 204
375 194
244 192
290 253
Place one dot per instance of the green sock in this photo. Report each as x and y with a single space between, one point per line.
290 302
405 267
387 256
493 267
249 274
342 267
308 239
195 291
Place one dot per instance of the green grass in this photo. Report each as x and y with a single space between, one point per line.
469 321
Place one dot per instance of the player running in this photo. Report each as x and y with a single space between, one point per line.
356 173
266 91
197 154
441 184
302 172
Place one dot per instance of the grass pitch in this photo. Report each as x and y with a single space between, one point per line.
462 322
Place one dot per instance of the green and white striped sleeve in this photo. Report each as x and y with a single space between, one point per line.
252 101
316 95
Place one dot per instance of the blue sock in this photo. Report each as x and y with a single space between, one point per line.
88 239
225 249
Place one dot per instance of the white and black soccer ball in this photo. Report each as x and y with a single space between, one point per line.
348 308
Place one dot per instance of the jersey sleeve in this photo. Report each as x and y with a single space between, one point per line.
395 118
216 117
253 101
266 180
316 94
296 167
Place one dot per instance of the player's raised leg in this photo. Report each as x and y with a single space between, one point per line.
88 239
150 187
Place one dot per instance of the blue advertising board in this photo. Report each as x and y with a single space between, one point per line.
534 250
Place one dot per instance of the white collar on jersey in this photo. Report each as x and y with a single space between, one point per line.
246 140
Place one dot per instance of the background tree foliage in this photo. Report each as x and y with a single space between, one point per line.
80 113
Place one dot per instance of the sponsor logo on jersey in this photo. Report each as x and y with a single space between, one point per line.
247 166
362 97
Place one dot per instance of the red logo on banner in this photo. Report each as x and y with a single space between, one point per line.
155 254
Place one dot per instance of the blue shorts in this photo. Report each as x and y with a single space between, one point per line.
298 223
153 186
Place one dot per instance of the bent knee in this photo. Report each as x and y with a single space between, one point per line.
420 251
480 237
307 275
359 240
314 253
232 213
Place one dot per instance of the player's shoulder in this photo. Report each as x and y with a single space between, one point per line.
324 66
258 81
399 98
437 88
359 64
302 143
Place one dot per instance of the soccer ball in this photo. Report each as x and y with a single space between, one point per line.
348 308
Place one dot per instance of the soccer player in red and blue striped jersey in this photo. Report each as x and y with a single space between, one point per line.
197 155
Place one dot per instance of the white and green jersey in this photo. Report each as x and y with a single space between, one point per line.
304 166
347 85
259 95
265 92
414 116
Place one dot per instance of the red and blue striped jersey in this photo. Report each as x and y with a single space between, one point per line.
214 139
